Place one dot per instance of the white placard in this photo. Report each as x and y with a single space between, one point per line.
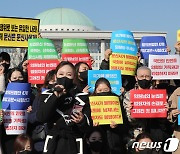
165 66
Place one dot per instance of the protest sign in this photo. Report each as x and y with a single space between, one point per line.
165 66
148 103
178 35
41 49
114 77
75 50
74 46
37 70
105 109
124 52
154 45
124 62
14 104
15 32
0 107
122 41
75 58
179 110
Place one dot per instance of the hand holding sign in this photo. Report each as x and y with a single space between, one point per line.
177 47
15 102
25 66
107 54
148 103
175 112
1 69
113 124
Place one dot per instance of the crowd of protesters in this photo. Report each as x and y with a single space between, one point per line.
52 109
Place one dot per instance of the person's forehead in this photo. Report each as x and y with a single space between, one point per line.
83 66
65 68
102 85
95 134
16 73
143 71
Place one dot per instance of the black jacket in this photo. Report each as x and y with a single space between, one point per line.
56 112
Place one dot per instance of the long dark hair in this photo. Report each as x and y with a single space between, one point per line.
142 136
13 70
63 63
49 76
104 140
20 142
100 81
77 66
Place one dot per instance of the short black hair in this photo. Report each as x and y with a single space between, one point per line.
142 136
5 56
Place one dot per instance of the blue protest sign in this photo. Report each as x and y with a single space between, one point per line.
17 96
122 41
179 110
114 77
155 45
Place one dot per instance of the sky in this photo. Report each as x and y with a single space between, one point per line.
111 15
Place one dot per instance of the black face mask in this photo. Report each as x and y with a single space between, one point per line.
144 84
104 94
84 75
145 151
25 152
18 81
50 86
95 146
162 85
66 82
6 67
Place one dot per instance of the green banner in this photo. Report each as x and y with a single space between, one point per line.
41 49
74 46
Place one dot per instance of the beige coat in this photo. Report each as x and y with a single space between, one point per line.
173 101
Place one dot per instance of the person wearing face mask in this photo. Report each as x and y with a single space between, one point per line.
144 137
2 80
5 62
81 76
158 128
35 125
164 84
14 75
115 133
23 145
95 142
58 109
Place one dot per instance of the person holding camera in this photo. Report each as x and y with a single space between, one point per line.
66 112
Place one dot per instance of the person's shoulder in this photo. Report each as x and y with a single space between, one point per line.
177 91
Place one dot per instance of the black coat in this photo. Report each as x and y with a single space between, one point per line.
56 112
115 136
